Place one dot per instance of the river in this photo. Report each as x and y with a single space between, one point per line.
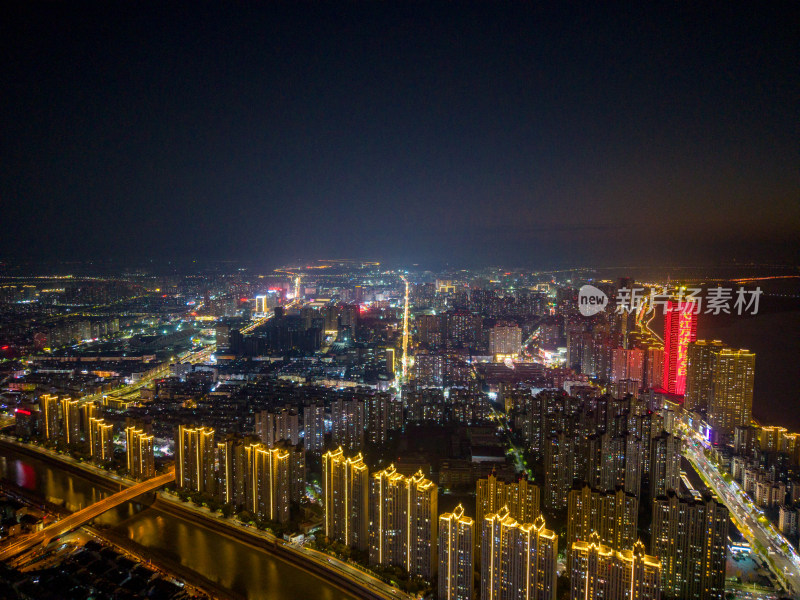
225 561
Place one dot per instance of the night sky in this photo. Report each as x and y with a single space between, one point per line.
474 134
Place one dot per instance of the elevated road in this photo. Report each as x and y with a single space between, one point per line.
162 370
764 539
82 517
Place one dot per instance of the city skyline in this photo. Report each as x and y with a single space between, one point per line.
399 301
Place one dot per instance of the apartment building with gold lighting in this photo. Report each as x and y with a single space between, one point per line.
48 416
456 558
101 440
597 572
520 497
691 539
732 397
403 520
701 357
141 460
612 516
345 488
518 560
70 421
194 459
270 473
232 471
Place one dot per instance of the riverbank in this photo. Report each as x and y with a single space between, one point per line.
100 478
346 577
165 564
350 580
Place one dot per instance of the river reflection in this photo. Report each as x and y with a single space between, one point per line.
228 562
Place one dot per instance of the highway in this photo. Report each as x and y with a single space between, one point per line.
82 517
519 457
162 370
765 540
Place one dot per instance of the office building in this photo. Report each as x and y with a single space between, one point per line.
680 329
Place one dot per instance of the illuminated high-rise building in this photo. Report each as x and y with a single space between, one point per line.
520 497
634 463
680 329
745 440
232 471
611 515
88 411
385 414
48 416
701 357
272 426
403 522
345 492
314 427
141 460
101 440
70 421
627 364
691 538
654 368
665 464
269 482
598 572
456 561
732 399
559 462
770 438
518 560
505 338
194 459
347 418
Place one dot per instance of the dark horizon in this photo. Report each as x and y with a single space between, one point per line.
480 134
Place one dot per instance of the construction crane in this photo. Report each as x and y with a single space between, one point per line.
404 360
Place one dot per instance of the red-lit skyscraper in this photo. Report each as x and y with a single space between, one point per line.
680 328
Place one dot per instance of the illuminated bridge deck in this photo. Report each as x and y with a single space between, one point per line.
85 515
